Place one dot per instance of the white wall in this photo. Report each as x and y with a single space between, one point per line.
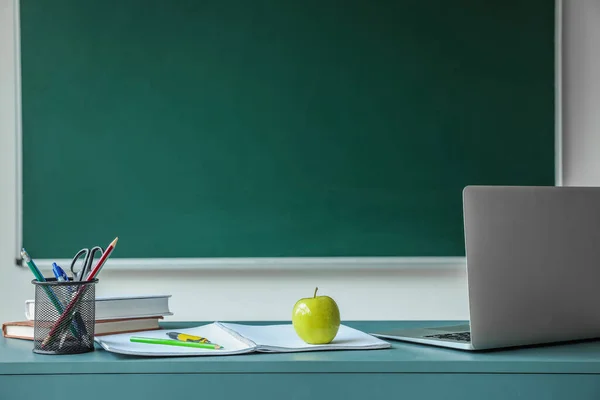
408 293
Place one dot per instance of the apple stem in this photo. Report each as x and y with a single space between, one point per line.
316 292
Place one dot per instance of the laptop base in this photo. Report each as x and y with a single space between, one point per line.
423 336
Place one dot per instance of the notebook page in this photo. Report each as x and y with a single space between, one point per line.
120 343
283 338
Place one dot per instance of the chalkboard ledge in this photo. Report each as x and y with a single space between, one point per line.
276 263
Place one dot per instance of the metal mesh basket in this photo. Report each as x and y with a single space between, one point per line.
64 316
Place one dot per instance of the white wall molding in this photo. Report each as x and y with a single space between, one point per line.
18 124
581 92
558 95
10 119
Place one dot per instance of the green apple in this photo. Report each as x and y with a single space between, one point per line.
316 319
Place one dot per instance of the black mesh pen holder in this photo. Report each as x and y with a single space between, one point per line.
65 314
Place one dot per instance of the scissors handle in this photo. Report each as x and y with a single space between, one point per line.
88 259
74 270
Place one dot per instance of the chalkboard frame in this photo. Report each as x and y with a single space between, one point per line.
270 262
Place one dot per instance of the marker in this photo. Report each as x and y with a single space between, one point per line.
187 338
169 342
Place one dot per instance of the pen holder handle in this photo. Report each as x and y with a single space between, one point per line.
65 316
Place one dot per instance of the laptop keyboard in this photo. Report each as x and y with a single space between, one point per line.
458 337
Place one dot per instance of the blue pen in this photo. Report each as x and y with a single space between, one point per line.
59 273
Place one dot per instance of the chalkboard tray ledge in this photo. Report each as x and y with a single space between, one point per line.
274 263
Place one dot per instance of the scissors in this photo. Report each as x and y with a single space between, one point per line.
81 272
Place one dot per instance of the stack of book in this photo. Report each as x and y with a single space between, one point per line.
113 315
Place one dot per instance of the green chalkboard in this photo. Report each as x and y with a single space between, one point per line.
270 128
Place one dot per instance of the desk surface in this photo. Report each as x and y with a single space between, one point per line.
16 358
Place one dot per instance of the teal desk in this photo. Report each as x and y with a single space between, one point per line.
405 371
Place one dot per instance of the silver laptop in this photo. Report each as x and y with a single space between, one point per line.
533 269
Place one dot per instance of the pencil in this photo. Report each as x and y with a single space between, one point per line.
170 342
103 259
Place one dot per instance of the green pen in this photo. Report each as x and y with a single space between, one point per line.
170 342
51 295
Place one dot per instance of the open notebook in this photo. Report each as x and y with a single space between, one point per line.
239 339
